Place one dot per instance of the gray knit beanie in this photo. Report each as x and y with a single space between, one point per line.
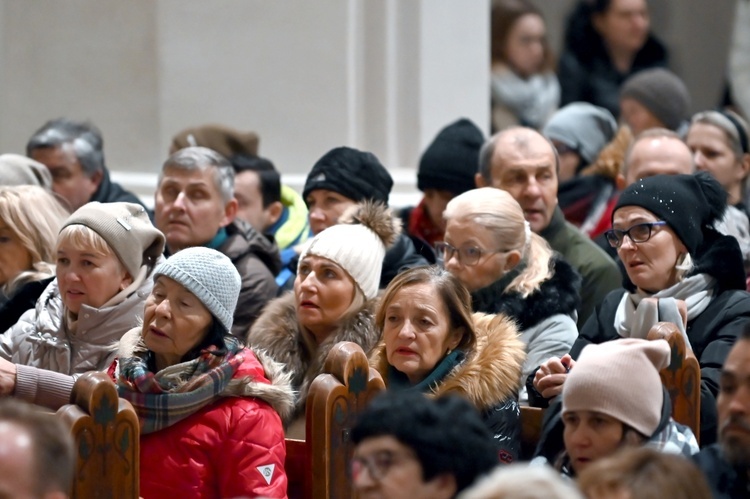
210 276
127 230
21 170
620 378
662 92
583 127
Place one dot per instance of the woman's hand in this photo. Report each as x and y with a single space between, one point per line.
551 375
7 378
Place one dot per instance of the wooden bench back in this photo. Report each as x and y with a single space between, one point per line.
681 378
106 433
319 466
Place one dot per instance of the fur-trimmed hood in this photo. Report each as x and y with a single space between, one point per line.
557 295
491 372
278 392
277 332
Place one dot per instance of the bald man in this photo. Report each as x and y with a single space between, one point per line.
522 162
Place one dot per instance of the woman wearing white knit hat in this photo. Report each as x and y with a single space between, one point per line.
337 280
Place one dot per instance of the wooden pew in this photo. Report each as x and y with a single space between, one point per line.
319 466
682 378
106 433
531 430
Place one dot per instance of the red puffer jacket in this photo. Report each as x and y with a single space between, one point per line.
234 447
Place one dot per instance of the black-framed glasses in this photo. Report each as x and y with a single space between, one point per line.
638 233
467 255
377 464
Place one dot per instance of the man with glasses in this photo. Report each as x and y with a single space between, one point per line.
522 162
411 447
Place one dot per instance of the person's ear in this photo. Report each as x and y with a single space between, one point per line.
512 259
273 212
230 211
479 181
620 182
443 486
126 281
456 336
745 164
96 177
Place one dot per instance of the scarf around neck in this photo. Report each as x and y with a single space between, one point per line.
399 381
420 225
636 313
166 397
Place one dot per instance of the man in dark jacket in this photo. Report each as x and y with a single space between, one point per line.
73 153
727 464
344 177
521 161
195 206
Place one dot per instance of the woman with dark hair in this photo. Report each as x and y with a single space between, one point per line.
433 344
606 41
679 269
525 90
211 405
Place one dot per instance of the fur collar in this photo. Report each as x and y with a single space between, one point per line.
491 372
278 333
557 295
277 393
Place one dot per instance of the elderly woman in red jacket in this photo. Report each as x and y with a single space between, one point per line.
210 409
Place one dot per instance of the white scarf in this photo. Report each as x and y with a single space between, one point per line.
636 315
533 100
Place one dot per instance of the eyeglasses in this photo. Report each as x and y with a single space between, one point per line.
377 464
638 233
469 255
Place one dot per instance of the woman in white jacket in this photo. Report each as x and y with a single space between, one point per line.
105 254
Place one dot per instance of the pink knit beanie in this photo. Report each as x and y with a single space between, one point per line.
620 378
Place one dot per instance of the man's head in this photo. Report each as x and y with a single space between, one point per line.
72 151
36 453
656 152
733 403
340 179
194 197
521 161
257 188
654 98
413 447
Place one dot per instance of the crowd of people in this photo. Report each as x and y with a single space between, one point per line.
529 274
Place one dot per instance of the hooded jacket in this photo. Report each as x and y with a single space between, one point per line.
545 318
278 333
711 334
403 255
112 192
49 358
257 260
233 447
488 378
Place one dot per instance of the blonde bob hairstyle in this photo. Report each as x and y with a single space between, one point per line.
497 212
83 238
34 216
448 289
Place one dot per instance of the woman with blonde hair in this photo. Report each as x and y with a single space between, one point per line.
510 270
30 218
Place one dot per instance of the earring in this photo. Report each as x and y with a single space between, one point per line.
448 352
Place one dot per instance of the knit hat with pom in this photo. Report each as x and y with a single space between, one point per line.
620 378
210 276
358 243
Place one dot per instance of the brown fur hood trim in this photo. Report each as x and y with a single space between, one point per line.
491 372
278 394
278 333
376 217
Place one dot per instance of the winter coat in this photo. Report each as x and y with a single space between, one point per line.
22 300
257 260
711 334
587 74
278 333
599 272
544 318
233 447
670 436
488 378
112 192
401 256
725 481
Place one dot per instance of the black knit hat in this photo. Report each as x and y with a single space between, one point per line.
355 174
452 160
690 204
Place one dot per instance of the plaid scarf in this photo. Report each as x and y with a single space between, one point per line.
162 399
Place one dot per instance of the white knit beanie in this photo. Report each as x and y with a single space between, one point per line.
620 378
358 244
127 230
210 276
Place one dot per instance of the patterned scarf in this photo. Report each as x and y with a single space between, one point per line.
162 399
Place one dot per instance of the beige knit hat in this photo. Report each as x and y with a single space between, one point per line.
358 243
127 230
21 170
620 378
